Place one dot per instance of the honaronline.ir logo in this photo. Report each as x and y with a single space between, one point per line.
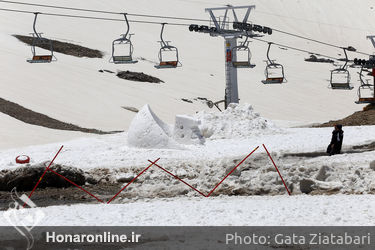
22 219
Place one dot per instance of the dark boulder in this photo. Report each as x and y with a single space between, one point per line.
25 178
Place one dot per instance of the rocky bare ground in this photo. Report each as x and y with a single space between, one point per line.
360 118
256 176
31 117
138 77
65 48
134 76
314 58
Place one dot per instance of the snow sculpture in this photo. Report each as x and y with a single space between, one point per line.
186 131
148 131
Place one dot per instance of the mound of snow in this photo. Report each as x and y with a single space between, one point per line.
237 121
148 131
186 130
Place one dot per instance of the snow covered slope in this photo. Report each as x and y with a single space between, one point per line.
336 210
72 90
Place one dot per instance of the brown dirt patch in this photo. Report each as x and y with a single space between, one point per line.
31 117
138 77
50 196
25 178
65 48
360 118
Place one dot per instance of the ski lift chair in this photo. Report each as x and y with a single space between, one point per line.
122 48
41 42
340 78
366 91
274 72
122 44
242 61
169 63
168 54
366 95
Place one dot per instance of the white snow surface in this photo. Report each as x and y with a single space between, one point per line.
205 165
112 151
72 90
239 121
337 210
236 122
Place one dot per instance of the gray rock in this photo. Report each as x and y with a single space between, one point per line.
91 180
125 178
236 172
307 186
323 173
357 172
372 165
291 187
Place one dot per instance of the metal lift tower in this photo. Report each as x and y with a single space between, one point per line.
223 28
366 92
372 38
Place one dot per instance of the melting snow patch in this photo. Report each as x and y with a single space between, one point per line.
238 121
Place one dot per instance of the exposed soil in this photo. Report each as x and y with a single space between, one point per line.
314 58
64 48
105 183
25 178
186 100
106 70
133 76
360 118
138 77
54 189
132 109
44 197
31 117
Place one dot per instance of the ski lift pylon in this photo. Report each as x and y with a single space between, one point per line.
166 48
274 72
245 60
41 42
123 42
340 78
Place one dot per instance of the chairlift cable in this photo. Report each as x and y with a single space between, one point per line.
168 17
297 49
148 22
91 17
104 12
316 41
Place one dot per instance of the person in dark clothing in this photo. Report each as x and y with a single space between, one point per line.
336 142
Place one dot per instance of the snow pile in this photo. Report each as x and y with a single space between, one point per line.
148 131
238 121
186 130
255 176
